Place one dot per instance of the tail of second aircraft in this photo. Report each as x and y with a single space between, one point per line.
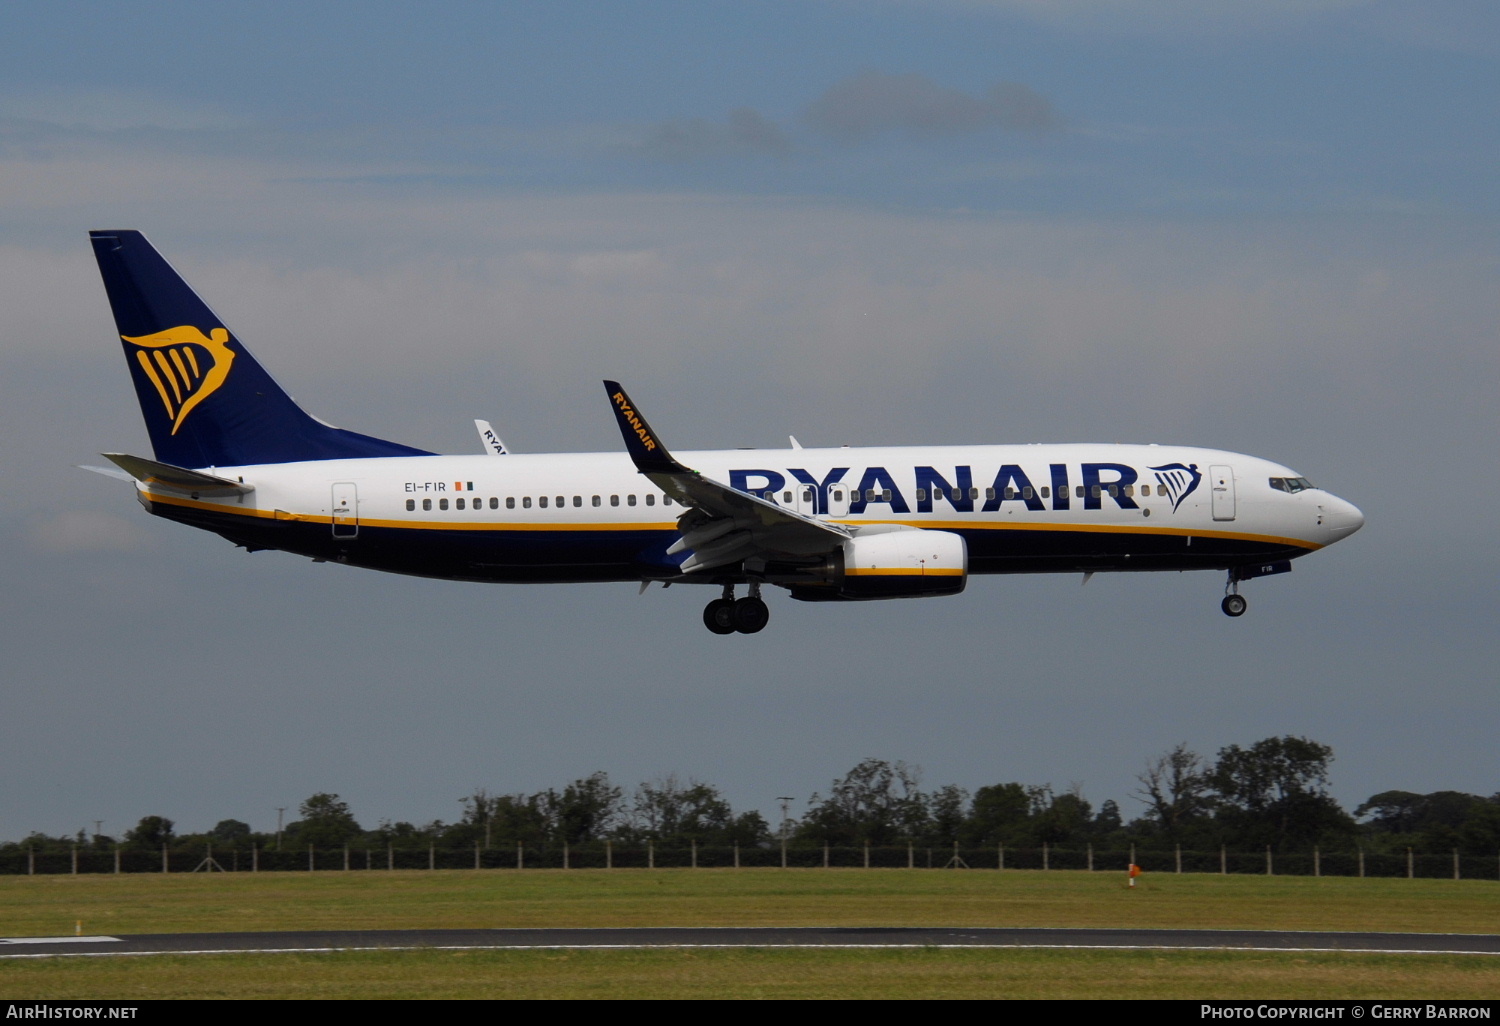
206 401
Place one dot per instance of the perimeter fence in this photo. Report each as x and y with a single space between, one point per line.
88 859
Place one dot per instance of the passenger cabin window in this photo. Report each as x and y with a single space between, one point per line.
650 499
578 500
786 498
426 503
596 500
1046 491
411 504
526 502
614 500
1027 492
495 503
458 503
542 502
510 502
442 504
630 500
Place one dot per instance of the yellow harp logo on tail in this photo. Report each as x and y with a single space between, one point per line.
185 365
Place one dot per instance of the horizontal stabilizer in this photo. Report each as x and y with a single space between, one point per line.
179 479
114 472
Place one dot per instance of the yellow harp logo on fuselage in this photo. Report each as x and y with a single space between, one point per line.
184 365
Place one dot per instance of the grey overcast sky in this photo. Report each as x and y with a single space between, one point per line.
1269 228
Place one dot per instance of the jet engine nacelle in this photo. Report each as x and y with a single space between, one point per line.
900 563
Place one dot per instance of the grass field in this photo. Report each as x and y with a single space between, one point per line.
52 905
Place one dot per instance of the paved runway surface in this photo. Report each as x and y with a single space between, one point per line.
759 937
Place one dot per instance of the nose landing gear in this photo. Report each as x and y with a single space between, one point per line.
727 615
1234 603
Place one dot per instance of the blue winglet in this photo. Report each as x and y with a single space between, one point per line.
648 454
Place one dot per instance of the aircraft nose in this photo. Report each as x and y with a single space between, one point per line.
1342 518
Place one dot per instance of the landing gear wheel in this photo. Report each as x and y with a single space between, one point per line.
718 616
751 615
1234 605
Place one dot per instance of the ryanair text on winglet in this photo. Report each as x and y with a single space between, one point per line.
634 421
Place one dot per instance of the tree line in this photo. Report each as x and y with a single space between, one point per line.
1272 794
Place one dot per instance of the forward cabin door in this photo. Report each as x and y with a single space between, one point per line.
345 510
1221 480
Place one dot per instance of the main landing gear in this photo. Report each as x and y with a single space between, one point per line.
1234 603
727 615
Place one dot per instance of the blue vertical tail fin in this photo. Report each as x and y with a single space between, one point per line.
206 400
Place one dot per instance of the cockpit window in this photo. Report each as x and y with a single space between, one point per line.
1291 485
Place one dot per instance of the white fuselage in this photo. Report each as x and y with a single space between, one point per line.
592 516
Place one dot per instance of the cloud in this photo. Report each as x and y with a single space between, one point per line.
87 531
855 109
873 102
745 133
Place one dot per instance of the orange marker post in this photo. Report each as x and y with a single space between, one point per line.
1135 871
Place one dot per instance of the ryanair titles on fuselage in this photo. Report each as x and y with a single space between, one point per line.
1057 487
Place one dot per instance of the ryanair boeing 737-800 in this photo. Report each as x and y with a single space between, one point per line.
235 455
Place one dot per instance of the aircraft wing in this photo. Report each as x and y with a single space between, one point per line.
724 525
